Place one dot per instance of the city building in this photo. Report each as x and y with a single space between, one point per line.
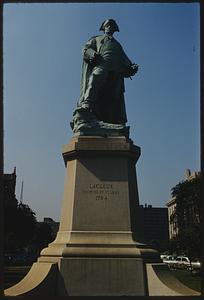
54 225
155 226
172 224
171 206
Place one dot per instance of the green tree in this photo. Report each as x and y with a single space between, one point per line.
43 236
20 225
187 216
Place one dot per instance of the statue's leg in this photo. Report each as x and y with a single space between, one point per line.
96 81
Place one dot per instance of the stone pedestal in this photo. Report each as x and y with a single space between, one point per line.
100 210
99 235
99 249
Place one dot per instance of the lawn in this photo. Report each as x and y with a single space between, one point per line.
192 281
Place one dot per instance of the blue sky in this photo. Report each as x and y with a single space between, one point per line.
42 70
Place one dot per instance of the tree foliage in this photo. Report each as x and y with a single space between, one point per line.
43 236
187 195
21 230
19 226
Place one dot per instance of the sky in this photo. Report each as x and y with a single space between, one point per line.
42 46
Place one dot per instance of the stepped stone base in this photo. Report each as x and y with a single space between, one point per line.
99 277
99 249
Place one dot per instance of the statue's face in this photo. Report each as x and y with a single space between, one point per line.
109 28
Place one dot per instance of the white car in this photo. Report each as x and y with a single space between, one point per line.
183 262
163 256
170 260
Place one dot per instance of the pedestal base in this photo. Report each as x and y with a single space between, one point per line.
103 276
99 277
98 250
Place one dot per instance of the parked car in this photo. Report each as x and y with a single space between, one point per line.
163 256
196 264
184 263
170 260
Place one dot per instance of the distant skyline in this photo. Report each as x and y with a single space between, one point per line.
42 69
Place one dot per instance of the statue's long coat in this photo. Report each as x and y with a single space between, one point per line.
109 106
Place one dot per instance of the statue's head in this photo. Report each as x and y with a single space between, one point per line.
109 25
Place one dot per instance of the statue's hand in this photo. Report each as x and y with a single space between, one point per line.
131 70
96 59
134 68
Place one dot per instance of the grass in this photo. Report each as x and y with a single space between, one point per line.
192 281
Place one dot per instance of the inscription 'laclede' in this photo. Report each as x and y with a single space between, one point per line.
101 191
100 186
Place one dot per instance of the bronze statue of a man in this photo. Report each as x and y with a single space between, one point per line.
105 65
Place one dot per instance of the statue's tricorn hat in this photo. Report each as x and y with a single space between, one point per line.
116 28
